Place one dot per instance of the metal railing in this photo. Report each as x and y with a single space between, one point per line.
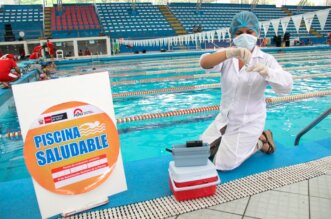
311 125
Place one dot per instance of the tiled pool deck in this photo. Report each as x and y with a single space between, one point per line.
309 199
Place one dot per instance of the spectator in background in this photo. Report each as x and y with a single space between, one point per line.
36 66
329 39
68 54
115 47
37 52
264 42
194 29
22 53
7 64
50 49
87 52
199 28
34 55
47 70
286 39
80 53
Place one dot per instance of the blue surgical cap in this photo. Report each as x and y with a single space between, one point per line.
244 19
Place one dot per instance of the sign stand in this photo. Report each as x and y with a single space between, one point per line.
87 207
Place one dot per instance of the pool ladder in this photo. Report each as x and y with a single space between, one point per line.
311 125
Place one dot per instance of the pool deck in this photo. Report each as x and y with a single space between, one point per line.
253 183
308 199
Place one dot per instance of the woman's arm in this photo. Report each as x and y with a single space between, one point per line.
280 80
208 61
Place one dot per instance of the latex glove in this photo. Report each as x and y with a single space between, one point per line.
259 68
240 53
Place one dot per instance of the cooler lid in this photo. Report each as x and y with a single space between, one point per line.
181 149
185 174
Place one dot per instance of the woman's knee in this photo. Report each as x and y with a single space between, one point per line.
226 161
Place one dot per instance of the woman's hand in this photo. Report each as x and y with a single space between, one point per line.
259 68
240 53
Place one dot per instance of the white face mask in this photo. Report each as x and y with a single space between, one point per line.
245 40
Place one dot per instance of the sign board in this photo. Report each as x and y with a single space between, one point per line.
71 144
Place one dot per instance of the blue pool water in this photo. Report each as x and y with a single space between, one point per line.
149 138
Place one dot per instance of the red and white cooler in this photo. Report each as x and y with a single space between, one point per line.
193 182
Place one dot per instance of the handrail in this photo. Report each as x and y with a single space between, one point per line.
311 125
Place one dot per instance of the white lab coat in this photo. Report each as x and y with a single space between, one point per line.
243 107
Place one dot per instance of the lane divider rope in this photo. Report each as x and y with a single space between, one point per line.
269 100
197 68
311 75
134 66
118 75
208 75
198 87
11 134
184 69
216 107
189 63
165 90
150 80
184 60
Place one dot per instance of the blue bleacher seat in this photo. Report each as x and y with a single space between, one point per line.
22 18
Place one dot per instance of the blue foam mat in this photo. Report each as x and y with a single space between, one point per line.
148 179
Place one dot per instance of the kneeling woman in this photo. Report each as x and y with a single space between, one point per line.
237 132
8 70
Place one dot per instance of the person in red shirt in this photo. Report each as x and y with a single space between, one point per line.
38 49
51 51
50 47
36 53
87 52
7 64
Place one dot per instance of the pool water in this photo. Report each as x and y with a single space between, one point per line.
149 138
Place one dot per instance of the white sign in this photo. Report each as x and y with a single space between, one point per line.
71 144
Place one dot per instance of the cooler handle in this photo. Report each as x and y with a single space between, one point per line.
193 187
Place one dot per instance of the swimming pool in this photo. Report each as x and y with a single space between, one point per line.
137 89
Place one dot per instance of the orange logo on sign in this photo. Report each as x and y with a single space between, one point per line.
67 154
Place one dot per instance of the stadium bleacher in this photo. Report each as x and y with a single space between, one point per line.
145 20
26 18
74 21
217 16
295 10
